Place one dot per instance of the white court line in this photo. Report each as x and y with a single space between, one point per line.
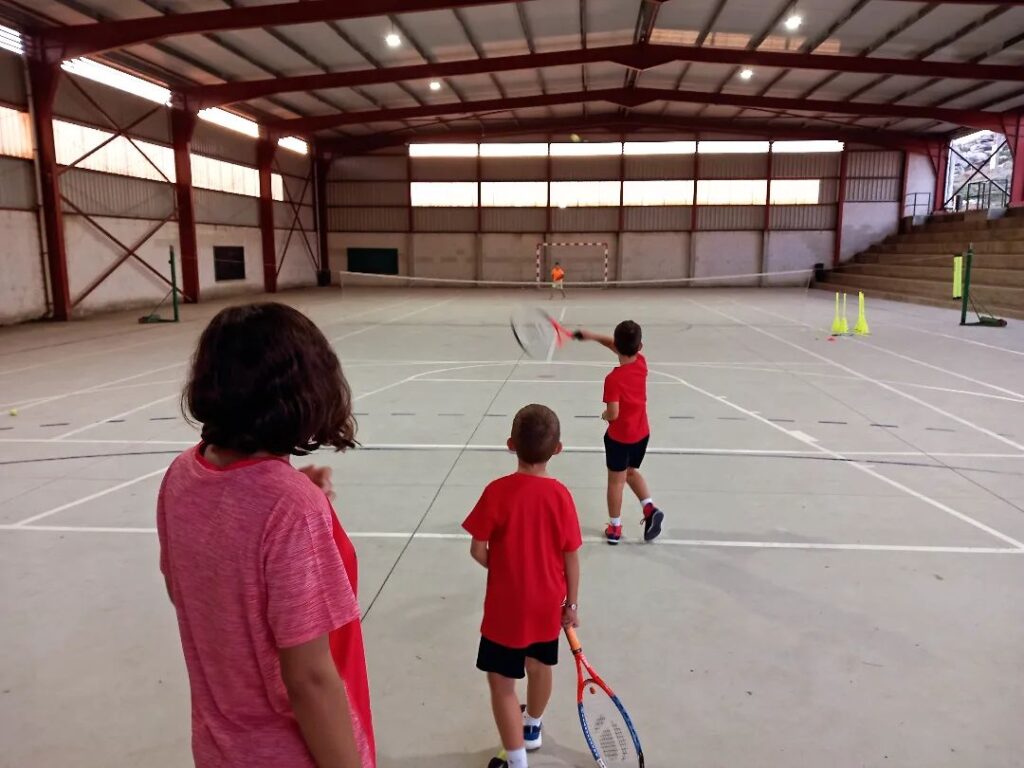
591 540
119 388
966 341
864 376
391 320
121 415
90 497
1017 395
64 358
480 447
554 339
856 465
32 403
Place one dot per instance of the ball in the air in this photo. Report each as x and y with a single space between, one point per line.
13 411
575 137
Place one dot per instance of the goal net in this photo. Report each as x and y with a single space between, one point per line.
583 262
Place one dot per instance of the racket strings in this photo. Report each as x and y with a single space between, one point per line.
608 728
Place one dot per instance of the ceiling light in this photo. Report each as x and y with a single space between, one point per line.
746 74
435 85
793 22
393 40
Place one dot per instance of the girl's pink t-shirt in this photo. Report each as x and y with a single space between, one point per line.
257 561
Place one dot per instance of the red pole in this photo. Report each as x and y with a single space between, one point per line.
1015 138
264 162
321 168
940 162
840 204
182 126
44 79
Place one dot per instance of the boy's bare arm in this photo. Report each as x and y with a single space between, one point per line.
478 551
572 589
604 341
611 412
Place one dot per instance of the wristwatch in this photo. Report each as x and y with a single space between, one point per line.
570 606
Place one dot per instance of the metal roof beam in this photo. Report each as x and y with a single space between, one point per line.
634 97
618 124
633 56
66 42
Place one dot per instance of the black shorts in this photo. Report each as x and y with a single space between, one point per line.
511 662
619 457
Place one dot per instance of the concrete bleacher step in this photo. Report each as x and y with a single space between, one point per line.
981 260
1010 278
982 246
957 238
1003 302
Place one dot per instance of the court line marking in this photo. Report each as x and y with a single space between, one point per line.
85 499
966 341
483 447
856 465
591 540
554 339
65 358
391 320
900 355
865 377
32 403
121 415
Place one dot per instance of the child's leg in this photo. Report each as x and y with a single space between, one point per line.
637 484
616 484
507 715
538 688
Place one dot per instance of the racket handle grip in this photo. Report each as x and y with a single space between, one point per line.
574 641
578 335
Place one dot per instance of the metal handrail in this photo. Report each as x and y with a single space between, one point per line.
913 203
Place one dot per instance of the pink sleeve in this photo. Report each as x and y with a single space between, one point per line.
161 528
480 523
611 389
308 591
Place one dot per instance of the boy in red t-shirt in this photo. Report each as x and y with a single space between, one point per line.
526 534
625 442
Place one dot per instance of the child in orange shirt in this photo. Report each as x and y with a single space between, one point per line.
558 279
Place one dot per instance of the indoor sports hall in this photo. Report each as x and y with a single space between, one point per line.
815 212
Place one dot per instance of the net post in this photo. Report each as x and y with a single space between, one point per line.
174 284
965 301
537 261
606 261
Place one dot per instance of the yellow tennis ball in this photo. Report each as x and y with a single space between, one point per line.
574 137
13 411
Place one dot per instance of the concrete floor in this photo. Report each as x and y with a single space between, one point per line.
840 583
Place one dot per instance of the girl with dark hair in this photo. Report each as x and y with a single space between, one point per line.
260 572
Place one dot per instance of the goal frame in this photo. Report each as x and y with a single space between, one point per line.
543 246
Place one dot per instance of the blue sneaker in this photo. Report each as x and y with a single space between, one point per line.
532 737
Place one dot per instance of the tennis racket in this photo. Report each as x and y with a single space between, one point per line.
606 724
538 333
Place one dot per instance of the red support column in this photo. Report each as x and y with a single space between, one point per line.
1015 138
265 162
939 154
321 169
837 243
44 79
765 236
182 126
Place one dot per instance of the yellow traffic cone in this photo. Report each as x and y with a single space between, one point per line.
844 324
861 328
838 323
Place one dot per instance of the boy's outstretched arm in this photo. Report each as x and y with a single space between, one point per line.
478 551
604 341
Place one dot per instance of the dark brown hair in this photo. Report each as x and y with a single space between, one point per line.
536 432
264 378
628 338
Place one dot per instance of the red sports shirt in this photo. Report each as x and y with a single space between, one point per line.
257 561
529 523
627 386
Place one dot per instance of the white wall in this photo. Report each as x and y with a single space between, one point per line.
209 235
448 255
90 253
920 177
510 256
788 251
298 269
865 224
22 281
652 255
726 253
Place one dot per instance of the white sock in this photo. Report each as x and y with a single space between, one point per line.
645 502
533 722
517 758
615 521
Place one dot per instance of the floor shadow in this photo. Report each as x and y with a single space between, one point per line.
551 756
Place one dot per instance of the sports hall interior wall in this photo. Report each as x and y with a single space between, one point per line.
129 207
369 207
